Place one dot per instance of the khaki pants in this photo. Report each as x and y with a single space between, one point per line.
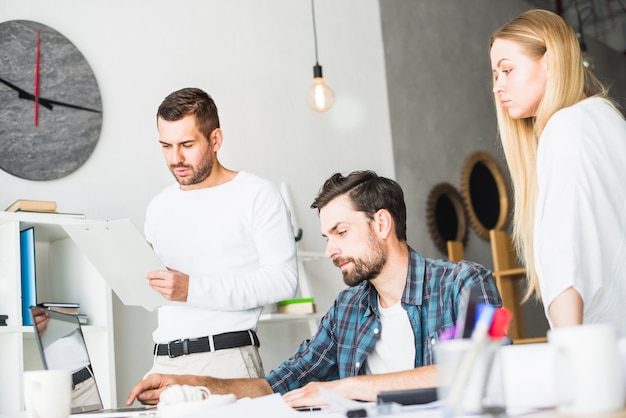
228 363
86 394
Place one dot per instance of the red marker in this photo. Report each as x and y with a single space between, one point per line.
500 323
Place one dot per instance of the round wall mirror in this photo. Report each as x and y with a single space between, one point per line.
485 193
446 216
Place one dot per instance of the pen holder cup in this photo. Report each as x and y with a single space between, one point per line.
470 377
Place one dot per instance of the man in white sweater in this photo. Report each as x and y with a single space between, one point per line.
228 244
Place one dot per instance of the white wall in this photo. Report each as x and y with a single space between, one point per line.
255 58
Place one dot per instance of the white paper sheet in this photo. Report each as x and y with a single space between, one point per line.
273 406
122 256
270 406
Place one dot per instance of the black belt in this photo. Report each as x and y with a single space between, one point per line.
203 344
80 376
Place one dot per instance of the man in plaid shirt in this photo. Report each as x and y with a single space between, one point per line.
391 288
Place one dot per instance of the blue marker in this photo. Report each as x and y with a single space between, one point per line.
484 317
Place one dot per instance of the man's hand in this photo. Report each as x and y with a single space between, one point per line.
172 284
363 387
149 390
309 394
41 318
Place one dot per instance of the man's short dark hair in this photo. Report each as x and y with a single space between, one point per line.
369 193
191 101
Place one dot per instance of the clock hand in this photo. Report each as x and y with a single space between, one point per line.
49 104
23 94
37 78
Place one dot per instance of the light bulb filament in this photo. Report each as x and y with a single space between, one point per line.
320 96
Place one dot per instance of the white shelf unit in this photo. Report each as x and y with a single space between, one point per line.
63 274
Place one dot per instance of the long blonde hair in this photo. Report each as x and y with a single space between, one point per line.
539 33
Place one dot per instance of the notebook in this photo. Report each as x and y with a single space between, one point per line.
62 347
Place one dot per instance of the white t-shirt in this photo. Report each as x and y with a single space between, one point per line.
395 349
236 243
580 218
67 352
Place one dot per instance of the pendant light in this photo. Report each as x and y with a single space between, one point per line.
320 97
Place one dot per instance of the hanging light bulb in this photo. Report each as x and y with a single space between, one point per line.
320 97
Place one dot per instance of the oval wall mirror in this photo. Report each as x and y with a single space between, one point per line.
446 216
485 193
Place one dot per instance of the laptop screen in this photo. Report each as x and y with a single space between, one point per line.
62 347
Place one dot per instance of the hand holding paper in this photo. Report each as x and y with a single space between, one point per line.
171 284
122 256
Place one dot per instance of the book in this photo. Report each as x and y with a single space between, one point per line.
297 306
27 272
59 304
70 308
71 311
32 206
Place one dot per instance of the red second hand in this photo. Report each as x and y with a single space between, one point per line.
37 79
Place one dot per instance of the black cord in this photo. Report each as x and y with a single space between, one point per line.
580 22
584 11
581 37
314 30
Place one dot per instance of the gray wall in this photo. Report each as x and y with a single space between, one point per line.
440 102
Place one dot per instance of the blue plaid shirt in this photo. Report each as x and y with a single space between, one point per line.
349 330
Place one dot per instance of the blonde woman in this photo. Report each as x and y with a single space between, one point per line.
565 145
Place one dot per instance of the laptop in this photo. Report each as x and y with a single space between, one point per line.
62 347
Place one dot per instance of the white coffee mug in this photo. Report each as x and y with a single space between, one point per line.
588 369
48 393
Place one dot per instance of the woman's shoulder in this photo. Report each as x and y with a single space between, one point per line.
584 110
577 130
571 122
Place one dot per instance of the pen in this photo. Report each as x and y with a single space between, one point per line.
447 334
468 315
308 408
479 335
356 413
500 323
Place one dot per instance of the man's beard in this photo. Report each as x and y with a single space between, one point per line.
197 176
364 268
